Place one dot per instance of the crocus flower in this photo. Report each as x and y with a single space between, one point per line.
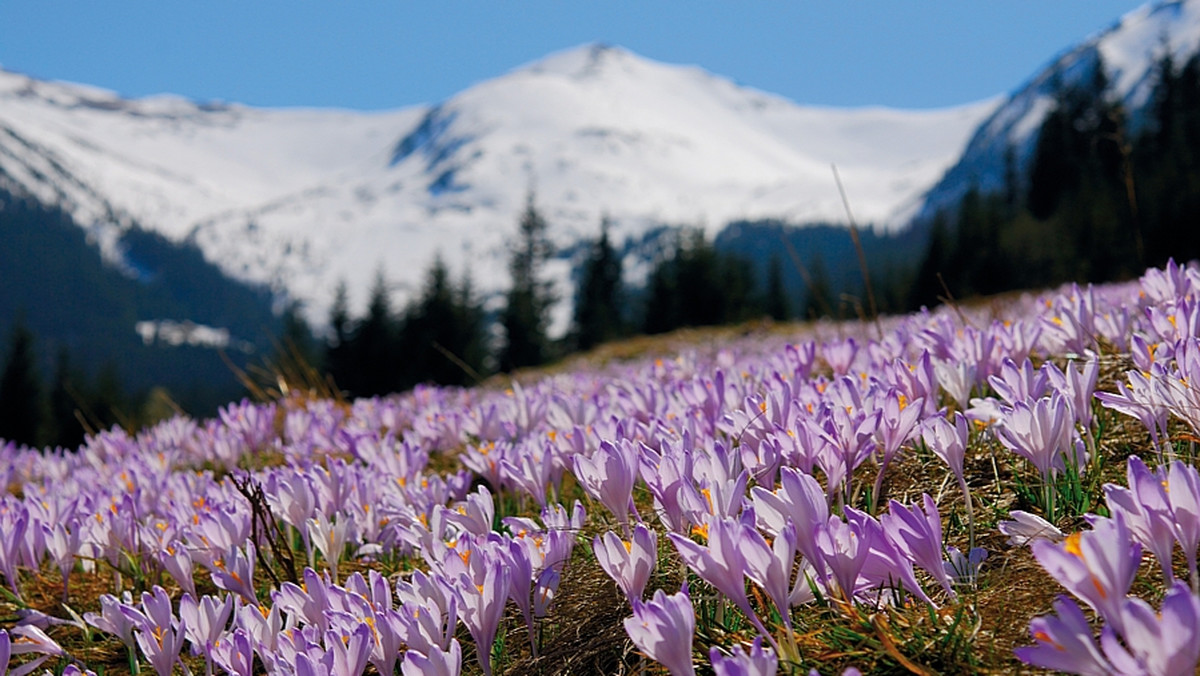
236 574
917 533
234 653
350 652
112 619
177 562
721 562
759 661
330 537
13 523
482 607
1041 432
436 662
476 514
1140 399
1019 383
63 544
1183 490
841 555
628 562
609 475
663 629
262 625
1145 508
1025 527
964 568
30 639
948 441
799 500
897 425
1166 642
667 476
545 588
957 378
158 635
10 647
1096 566
1065 643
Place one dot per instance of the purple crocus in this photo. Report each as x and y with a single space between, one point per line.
1165 642
897 426
1041 432
663 629
1097 566
435 662
1026 527
351 652
609 475
1183 489
482 606
159 636
628 562
949 442
917 533
722 562
204 622
237 573
26 639
1145 508
759 661
1064 642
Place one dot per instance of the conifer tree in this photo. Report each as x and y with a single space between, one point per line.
21 404
525 315
817 302
776 302
661 313
442 334
599 297
373 346
337 350
65 393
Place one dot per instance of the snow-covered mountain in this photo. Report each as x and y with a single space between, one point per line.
1129 52
300 199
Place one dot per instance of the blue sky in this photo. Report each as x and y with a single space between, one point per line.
371 54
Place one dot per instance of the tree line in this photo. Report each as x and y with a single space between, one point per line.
1102 198
445 336
61 411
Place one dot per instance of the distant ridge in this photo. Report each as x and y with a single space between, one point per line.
300 199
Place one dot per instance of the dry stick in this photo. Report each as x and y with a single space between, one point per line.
862 257
472 373
804 274
1130 191
948 299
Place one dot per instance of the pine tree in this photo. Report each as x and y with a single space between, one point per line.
776 303
599 297
661 312
338 360
702 297
373 346
22 411
67 430
442 334
926 288
525 315
817 302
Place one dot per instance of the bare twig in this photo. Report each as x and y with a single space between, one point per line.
264 527
862 256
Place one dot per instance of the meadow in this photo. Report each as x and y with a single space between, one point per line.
1003 487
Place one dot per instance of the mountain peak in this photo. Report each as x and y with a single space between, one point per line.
585 61
302 199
